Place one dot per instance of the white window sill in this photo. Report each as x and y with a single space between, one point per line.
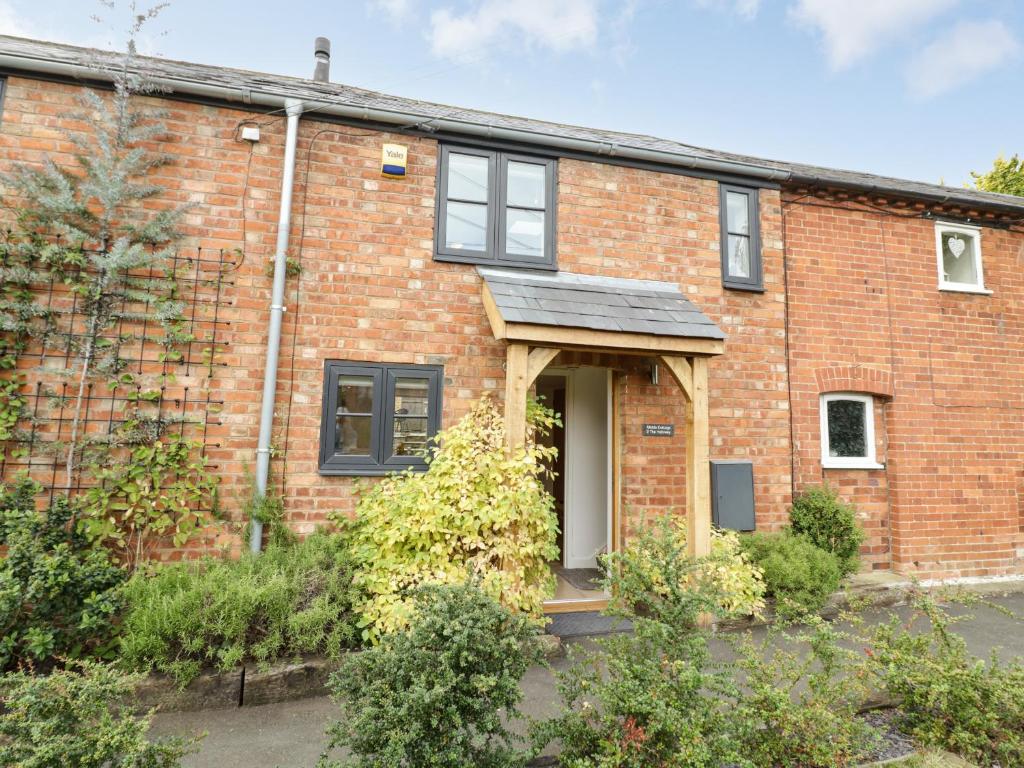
854 464
954 288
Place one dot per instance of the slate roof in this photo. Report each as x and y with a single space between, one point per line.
570 300
33 54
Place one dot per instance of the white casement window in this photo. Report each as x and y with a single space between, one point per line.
848 432
958 250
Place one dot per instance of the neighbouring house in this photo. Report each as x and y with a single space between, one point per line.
719 331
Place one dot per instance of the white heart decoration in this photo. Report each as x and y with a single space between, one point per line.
956 246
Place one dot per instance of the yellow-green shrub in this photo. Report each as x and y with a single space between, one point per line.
477 512
655 565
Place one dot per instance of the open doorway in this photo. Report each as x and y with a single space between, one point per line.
581 486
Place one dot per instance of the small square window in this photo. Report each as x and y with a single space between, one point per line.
848 432
958 250
495 208
378 418
741 239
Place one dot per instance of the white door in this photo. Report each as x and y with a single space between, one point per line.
587 470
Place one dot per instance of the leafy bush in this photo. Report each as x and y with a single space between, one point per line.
949 698
653 697
654 573
657 697
434 694
798 703
77 718
287 601
828 522
476 513
799 575
58 593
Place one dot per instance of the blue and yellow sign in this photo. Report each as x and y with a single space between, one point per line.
393 159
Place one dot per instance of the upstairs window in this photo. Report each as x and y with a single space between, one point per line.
958 248
848 432
495 208
741 238
378 418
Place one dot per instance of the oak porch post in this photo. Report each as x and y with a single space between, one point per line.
698 471
516 385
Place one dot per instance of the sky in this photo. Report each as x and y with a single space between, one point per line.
920 89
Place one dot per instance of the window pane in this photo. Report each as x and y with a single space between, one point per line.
466 226
526 185
410 436
739 256
467 177
847 435
355 394
958 258
524 233
411 396
352 435
737 213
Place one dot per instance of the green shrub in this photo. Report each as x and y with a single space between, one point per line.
477 512
799 575
287 601
949 698
828 522
78 718
653 697
58 593
435 693
797 706
654 575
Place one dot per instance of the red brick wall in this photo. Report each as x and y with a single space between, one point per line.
370 290
866 315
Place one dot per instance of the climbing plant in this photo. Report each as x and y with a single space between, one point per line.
89 270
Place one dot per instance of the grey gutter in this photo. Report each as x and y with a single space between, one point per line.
410 120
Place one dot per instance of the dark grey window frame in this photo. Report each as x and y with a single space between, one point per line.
380 461
736 282
3 95
495 253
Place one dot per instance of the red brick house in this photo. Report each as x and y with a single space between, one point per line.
719 331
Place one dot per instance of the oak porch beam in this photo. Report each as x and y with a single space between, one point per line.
539 359
682 372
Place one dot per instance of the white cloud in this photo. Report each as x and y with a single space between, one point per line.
397 10
747 9
852 29
968 50
561 26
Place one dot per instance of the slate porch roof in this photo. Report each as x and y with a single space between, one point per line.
570 300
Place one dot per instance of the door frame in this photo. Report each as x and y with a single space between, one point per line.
613 453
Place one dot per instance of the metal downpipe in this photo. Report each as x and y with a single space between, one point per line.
293 109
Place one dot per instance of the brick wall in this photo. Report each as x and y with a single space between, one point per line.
945 368
863 314
369 290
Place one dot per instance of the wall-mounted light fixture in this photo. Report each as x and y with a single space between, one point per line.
654 372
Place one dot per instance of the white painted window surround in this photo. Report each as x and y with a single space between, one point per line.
855 448
958 257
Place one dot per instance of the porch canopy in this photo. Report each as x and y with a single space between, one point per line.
541 314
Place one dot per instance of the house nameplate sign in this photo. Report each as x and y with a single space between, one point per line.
659 430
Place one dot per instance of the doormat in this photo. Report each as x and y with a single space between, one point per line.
583 623
582 578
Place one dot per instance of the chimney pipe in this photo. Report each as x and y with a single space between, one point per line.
322 53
